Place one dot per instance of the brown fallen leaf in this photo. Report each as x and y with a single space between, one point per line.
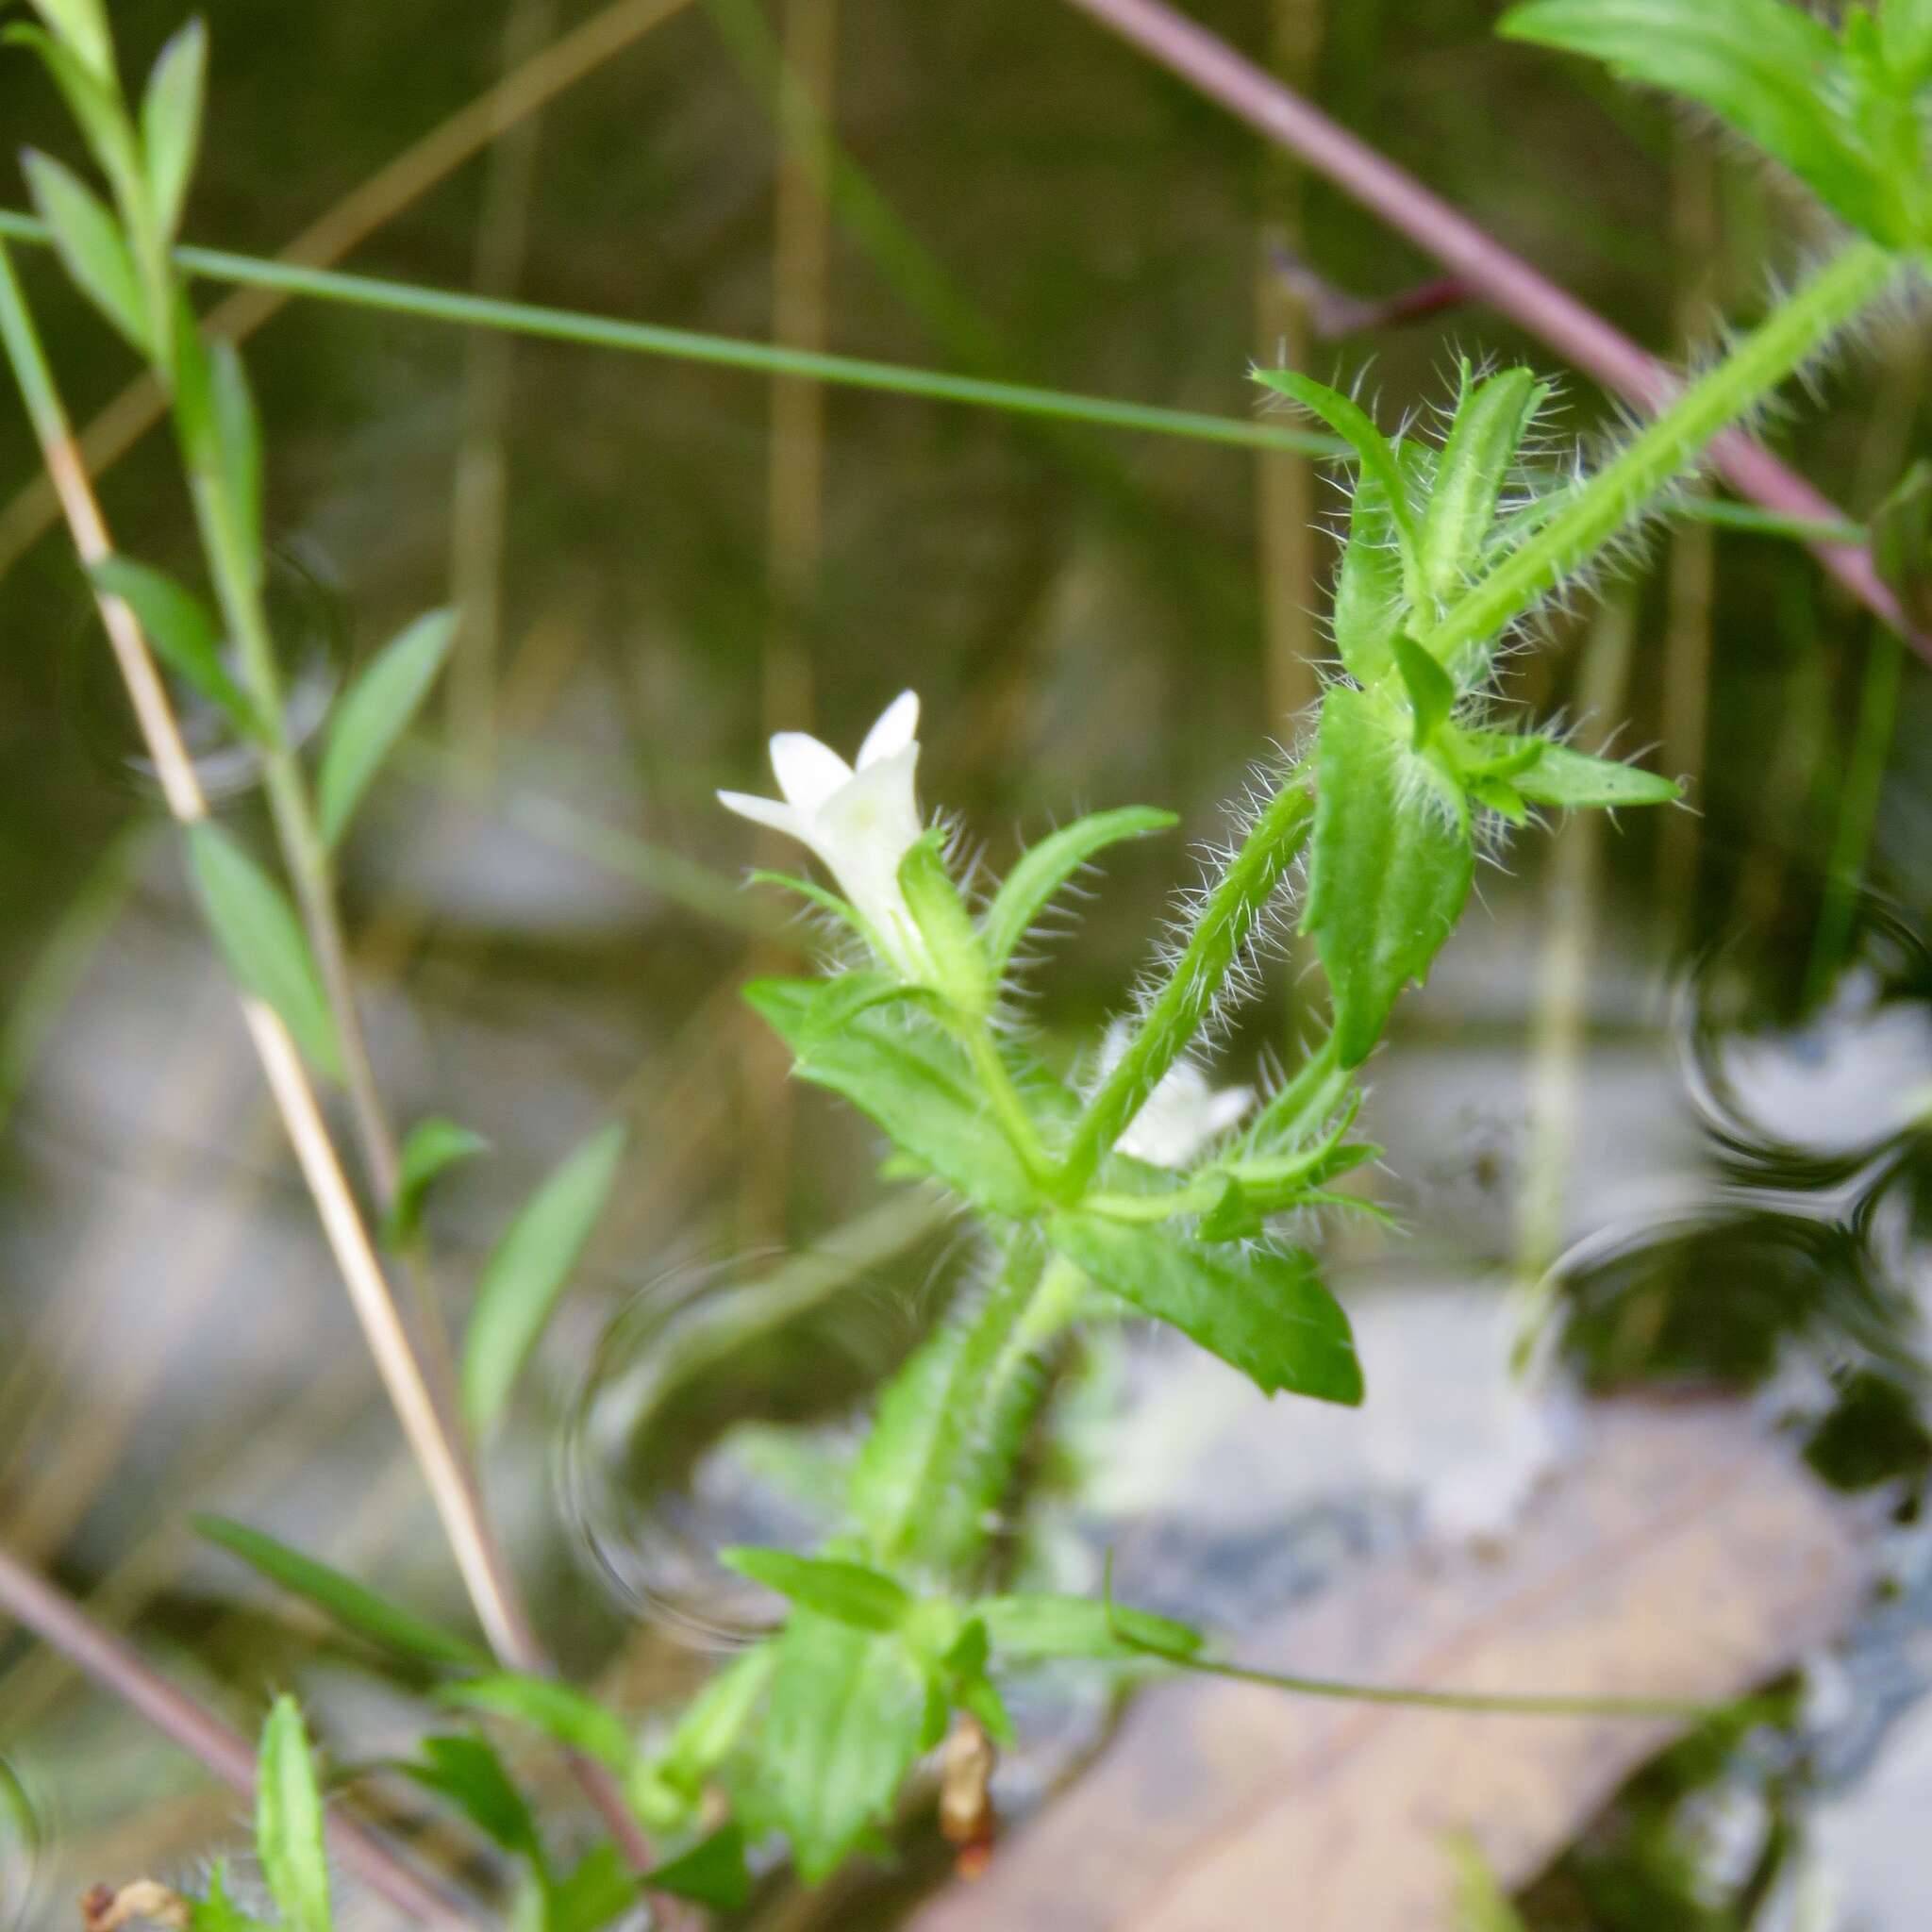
1685 1554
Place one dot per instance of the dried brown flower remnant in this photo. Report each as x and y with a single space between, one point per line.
967 1819
105 1909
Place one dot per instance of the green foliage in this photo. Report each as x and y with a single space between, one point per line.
1391 864
712 1872
171 123
1263 1311
288 1824
429 1150
1036 1626
952 942
468 1773
89 244
263 941
1431 697
218 1912
184 635
1841 112
353 1605
1492 419
82 26
846 1592
1044 870
373 714
861 1036
528 1271
846 1720
559 1711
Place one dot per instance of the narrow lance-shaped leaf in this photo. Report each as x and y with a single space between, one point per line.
1476 462
1043 869
430 1149
95 104
82 24
257 931
1766 66
1379 460
470 1775
1564 778
171 123
353 1605
1369 605
1906 30
848 1592
1264 1313
528 1269
374 715
1035 1625
1392 862
288 1822
712 1872
558 1710
184 634
89 244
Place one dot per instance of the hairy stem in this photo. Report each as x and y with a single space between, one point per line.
1227 925
1617 494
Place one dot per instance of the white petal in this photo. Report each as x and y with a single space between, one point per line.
876 814
1226 1109
898 723
807 771
764 811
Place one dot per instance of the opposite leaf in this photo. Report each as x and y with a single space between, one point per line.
353 1605
373 715
848 1592
88 242
1564 778
1264 1313
841 1733
184 635
528 1269
1043 869
171 123
1390 865
266 950
288 1822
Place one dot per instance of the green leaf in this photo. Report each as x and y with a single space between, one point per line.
841 1733
848 1593
373 715
82 24
1392 860
95 103
236 447
1483 442
89 244
467 1772
1043 869
1431 697
171 123
1264 1313
184 634
1500 796
666 1790
288 1822
528 1269
952 940
1378 456
1034 1626
1565 777
1368 602
713 1872
1904 29
859 1037
431 1148
601 1886
353 1605
257 929
1767 67
557 1710
218 1912
1481 1904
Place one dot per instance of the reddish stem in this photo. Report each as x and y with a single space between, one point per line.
1503 280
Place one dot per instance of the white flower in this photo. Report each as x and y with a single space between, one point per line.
1181 1116
858 822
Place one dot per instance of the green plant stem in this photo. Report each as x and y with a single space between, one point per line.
1226 926
1008 1106
692 345
1662 452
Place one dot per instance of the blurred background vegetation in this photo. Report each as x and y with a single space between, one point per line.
1716 1014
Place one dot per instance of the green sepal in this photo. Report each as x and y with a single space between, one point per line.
952 940
1431 695
1574 780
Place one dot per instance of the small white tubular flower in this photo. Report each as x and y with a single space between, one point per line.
859 823
1182 1116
